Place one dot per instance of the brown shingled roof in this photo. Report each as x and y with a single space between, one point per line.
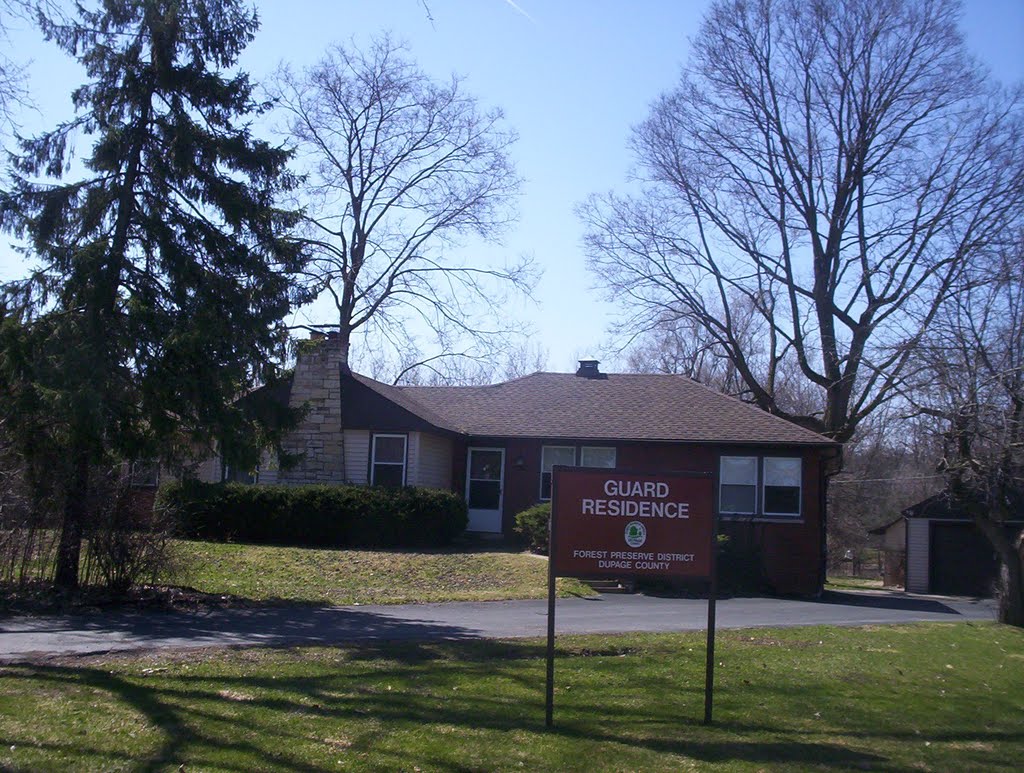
619 407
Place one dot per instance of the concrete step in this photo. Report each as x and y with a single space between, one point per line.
611 586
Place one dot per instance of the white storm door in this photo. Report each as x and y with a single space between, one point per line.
484 483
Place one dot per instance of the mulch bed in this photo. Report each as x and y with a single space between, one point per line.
39 598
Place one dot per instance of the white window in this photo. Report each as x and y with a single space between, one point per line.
549 457
387 466
738 485
781 486
231 474
595 456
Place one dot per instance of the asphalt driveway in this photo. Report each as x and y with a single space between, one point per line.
25 637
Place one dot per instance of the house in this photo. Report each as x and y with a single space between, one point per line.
498 443
946 553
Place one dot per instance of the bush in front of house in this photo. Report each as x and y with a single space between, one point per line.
314 516
533 524
740 567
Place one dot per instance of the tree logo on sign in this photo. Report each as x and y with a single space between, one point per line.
636 534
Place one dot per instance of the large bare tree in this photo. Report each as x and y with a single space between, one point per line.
972 384
680 344
400 168
831 166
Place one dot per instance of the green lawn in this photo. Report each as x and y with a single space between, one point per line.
922 697
852 583
305 575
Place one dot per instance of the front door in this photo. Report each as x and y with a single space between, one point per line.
484 477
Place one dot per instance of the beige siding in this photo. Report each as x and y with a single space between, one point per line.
917 555
435 461
208 470
412 459
896 536
357 455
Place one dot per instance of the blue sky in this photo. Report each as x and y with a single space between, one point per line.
572 77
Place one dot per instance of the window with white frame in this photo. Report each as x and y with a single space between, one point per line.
597 456
737 492
387 465
549 457
782 486
768 486
241 475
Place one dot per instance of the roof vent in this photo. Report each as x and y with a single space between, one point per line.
588 369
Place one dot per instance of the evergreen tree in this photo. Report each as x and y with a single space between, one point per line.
164 268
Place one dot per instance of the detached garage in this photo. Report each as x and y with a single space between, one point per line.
946 553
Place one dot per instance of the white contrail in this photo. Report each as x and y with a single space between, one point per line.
516 7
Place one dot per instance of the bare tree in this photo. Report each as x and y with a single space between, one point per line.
515 361
13 93
678 345
398 169
973 383
831 166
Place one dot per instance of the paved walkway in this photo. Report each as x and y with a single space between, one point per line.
23 637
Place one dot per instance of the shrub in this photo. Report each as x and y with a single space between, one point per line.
533 524
740 566
127 538
314 516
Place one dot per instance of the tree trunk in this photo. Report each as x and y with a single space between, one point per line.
344 346
1011 591
75 511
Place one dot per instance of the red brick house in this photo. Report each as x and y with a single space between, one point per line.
498 443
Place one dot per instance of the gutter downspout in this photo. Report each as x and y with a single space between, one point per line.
831 465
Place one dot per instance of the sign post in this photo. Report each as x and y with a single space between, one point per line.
618 524
709 666
549 696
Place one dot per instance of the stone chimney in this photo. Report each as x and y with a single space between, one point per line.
317 384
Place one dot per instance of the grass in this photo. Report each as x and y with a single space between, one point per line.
917 697
852 583
308 576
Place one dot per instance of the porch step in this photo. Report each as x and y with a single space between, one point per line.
611 586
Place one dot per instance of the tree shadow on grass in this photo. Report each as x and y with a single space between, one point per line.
183 711
269 708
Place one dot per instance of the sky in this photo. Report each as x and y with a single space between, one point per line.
572 77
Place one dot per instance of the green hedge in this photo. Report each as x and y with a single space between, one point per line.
314 516
533 524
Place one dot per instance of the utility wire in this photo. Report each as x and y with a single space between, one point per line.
885 480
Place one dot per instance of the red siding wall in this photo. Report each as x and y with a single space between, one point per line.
791 549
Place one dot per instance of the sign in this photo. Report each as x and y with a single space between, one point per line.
615 523
629 524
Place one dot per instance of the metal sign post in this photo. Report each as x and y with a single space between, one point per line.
622 523
549 698
709 666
